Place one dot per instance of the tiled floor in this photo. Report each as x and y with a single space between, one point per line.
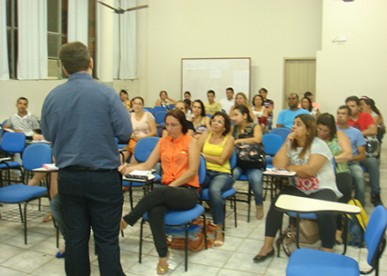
233 258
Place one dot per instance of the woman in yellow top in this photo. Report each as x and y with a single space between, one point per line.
217 147
124 96
179 156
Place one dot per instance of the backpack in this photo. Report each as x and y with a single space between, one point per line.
357 225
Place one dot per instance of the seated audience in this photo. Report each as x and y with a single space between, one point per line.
269 106
217 146
187 95
23 121
341 149
309 95
124 96
199 119
181 105
164 100
228 102
211 106
366 124
367 105
143 124
245 131
260 112
179 156
286 116
306 104
358 151
310 158
241 99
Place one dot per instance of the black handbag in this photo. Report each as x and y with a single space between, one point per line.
250 156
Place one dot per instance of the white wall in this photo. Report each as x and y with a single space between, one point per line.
358 66
266 31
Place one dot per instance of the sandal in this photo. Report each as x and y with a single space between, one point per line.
163 267
47 218
219 236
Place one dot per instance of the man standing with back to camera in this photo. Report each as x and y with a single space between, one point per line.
82 118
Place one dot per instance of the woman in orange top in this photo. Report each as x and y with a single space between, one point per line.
179 156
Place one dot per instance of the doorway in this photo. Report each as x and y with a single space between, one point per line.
300 76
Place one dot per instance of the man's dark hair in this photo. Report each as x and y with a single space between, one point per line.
352 99
211 92
263 90
22 98
230 88
346 108
75 57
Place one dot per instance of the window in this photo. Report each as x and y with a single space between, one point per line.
56 34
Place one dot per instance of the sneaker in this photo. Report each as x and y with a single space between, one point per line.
375 200
60 254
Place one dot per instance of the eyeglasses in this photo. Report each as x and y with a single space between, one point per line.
171 125
217 121
292 98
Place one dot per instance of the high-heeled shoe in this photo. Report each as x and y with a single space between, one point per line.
261 258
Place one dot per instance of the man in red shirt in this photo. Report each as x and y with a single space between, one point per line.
366 124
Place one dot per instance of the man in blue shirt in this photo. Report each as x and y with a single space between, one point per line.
82 118
286 117
358 151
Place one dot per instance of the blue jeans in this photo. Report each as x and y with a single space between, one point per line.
358 181
91 199
255 181
372 167
57 213
217 183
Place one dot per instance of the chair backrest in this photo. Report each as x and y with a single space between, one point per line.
13 142
202 170
160 116
35 155
271 143
374 234
144 148
233 160
281 131
157 109
149 109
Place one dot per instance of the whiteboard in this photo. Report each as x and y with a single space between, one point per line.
198 75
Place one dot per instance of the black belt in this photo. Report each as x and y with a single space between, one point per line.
77 168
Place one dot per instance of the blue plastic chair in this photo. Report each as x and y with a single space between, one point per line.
157 109
271 144
12 143
142 150
159 117
230 194
314 262
185 218
281 131
34 156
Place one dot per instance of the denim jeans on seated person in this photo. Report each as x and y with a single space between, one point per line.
358 181
254 177
217 183
372 167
